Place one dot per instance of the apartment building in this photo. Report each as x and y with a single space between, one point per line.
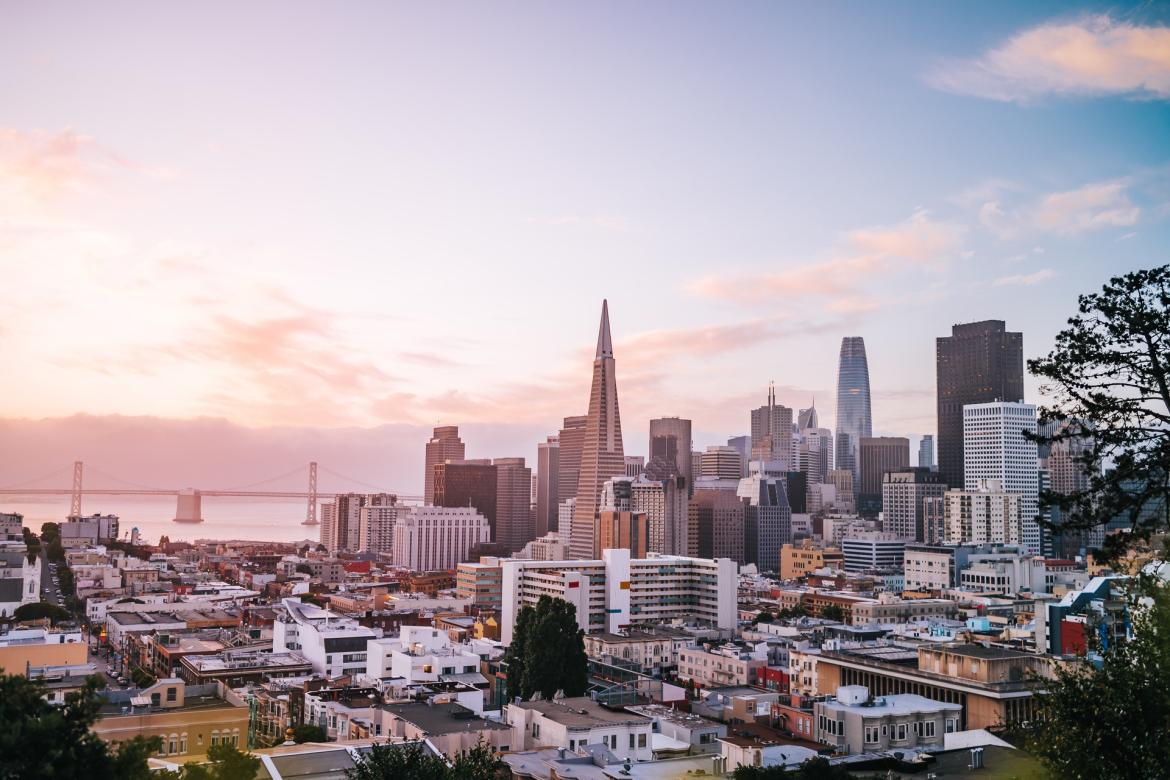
335 645
618 592
576 722
798 560
856 722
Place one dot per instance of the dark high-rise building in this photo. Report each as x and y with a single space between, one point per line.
717 519
796 484
854 416
767 520
468 483
742 445
444 445
515 520
548 464
602 455
624 531
879 455
903 496
670 443
980 362
571 437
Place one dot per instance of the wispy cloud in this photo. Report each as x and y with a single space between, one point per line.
1025 280
1091 207
919 240
1092 55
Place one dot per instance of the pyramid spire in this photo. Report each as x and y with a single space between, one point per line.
604 340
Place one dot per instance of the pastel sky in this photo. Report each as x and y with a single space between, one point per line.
353 214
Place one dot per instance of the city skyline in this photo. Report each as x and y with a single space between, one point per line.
148 290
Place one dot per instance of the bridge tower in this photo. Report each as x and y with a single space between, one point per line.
311 510
75 498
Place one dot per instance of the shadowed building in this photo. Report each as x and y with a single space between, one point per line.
468 483
670 442
772 431
978 363
570 439
548 464
879 454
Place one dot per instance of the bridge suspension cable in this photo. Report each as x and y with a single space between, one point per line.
61 471
379 488
298 470
94 470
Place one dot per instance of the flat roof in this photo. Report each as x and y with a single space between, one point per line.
979 651
581 712
895 704
445 718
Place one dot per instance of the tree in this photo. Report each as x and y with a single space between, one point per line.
549 650
833 612
309 732
479 763
411 761
764 617
817 768
227 762
1108 377
1112 721
41 609
40 740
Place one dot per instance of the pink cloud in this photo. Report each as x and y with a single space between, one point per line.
1093 55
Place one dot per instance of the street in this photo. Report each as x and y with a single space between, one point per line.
50 591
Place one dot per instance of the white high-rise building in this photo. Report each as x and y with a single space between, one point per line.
617 591
995 448
377 527
438 538
986 515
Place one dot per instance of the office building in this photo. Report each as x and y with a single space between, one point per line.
481 584
570 439
978 363
438 538
934 521
670 443
903 494
548 463
986 515
444 445
814 454
742 445
996 447
718 521
845 499
617 591
468 483
602 455
926 452
663 499
721 463
772 431
1063 460
854 415
623 530
635 464
767 520
879 455
515 520
872 550
341 519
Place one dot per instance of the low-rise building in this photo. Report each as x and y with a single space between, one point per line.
855 722
728 664
334 644
481 583
450 727
653 649
237 668
798 560
575 722
697 733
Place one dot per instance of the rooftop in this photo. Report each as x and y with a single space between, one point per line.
445 718
580 712
979 651
897 704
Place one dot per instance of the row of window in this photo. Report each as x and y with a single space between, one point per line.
176 744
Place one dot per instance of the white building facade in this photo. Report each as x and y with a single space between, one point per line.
995 448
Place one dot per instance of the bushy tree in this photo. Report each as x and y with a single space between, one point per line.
413 761
1108 381
1113 721
41 609
833 612
309 732
40 740
817 768
547 652
225 762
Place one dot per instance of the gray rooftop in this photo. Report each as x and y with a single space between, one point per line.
442 718
581 712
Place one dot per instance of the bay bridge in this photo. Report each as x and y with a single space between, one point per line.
188 508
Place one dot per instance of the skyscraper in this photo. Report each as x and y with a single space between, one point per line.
602 455
742 445
515 523
854 417
926 452
548 463
571 437
467 483
903 497
670 441
978 363
444 445
721 463
772 431
879 455
995 448
767 520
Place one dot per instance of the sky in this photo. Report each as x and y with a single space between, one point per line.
362 219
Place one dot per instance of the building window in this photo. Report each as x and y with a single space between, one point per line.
214 738
173 744
642 740
631 739
871 735
172 693
901 731
183 743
